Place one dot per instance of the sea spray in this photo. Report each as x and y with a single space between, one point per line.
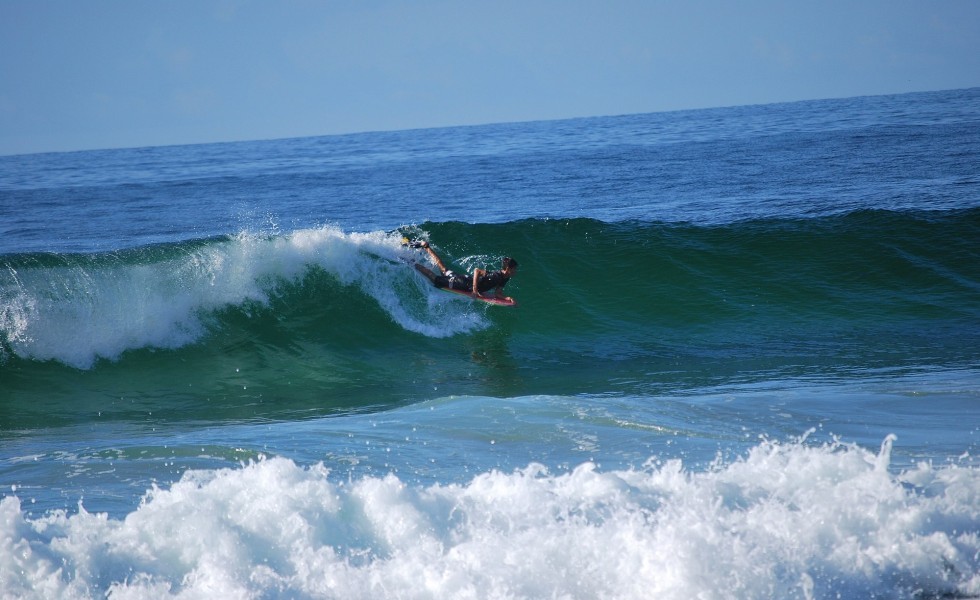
787 520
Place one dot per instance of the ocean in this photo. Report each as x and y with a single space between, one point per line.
745 362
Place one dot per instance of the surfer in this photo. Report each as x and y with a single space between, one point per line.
480 283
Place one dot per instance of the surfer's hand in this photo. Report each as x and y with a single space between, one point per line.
423 244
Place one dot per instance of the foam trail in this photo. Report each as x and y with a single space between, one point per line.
787 521
98 307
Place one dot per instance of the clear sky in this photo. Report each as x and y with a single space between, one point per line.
86 74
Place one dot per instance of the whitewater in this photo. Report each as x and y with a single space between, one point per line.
759 527
744 363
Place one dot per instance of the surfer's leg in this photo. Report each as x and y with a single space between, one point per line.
440 281
425 271
436 258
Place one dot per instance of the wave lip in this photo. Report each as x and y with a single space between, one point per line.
788 520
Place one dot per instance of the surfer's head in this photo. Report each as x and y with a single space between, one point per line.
510 264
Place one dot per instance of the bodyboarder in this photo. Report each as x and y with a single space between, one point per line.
481 281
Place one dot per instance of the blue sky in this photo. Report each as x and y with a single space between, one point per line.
100 74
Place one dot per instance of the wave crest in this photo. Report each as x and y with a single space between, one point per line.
76 309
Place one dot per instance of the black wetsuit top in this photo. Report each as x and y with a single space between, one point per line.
489 281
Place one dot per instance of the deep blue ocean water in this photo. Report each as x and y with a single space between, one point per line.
744 362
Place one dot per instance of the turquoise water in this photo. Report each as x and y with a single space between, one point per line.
745 357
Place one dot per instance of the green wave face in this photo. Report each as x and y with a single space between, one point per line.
321 320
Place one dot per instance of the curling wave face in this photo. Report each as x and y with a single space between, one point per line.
340 317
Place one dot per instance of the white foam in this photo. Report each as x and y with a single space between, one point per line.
787 521
77 314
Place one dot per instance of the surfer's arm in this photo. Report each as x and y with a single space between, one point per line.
498 291
477 273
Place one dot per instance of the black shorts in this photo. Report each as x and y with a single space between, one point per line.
454 281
